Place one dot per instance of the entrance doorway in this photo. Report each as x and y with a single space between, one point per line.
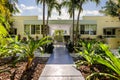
59 35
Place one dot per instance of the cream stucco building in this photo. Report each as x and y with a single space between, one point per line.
90 26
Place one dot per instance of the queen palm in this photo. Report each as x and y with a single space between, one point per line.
80 3
76 4
40 2
71 4
111 10
51 4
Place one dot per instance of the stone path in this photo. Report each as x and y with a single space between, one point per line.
60 66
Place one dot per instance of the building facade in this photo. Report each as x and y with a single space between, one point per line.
90 27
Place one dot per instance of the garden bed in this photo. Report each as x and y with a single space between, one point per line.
87 70
19 73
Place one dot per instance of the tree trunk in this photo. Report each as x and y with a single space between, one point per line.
77 27
47 18
47 22
119 17
73 20
29 63
43 18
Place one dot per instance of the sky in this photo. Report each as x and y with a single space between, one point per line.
30 8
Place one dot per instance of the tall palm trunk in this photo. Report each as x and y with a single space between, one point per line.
77 27
119 16
73 20
47 22
47 18
43 18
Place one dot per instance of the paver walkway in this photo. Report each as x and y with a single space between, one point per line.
60 66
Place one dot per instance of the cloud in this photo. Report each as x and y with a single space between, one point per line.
91 13
37 10
24 7
28 10
65 14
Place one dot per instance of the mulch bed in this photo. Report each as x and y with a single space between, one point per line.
19 73
86 70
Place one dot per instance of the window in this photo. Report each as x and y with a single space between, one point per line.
82 29
27 29
92 30
32 29
109 31
35 29
88 29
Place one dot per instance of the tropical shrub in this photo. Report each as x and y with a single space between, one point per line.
15 49
12 49
4 25
70 46
49 48
89 47
95 52
6 10
3 30
111 61
30 47
119 50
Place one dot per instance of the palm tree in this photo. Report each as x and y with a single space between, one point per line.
80 4
31 46
109 9
71 4
43 1
51 4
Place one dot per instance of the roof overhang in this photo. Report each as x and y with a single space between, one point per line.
60 22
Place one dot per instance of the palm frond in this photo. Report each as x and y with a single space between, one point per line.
93 75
